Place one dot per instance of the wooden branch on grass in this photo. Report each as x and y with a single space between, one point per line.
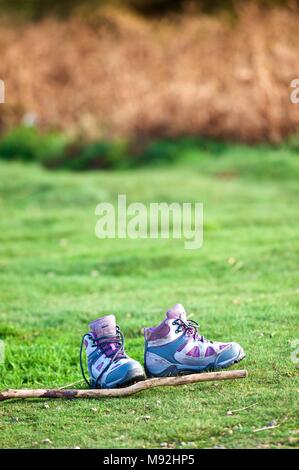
123 392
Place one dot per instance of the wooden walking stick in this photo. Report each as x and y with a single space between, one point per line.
123 392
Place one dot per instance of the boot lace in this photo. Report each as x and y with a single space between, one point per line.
190 327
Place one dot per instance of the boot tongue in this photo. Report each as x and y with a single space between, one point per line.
104 326
177 311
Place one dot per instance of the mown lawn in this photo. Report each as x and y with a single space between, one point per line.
243 285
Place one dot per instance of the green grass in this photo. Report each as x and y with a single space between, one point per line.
56 276
54 150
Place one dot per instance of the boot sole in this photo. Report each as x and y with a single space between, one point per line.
173 371
130 379
134 380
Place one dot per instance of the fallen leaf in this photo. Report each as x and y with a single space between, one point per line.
47 441
167 445
146 418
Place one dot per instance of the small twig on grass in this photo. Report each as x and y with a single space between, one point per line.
231 412
71 385
266 428
271 425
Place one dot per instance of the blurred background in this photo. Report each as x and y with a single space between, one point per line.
123 73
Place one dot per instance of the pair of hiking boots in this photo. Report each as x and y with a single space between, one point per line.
173 347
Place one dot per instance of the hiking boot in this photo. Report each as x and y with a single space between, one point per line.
108 364
175 347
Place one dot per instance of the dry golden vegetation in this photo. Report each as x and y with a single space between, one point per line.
117 74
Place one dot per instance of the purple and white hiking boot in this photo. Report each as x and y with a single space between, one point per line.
108 364
175 347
